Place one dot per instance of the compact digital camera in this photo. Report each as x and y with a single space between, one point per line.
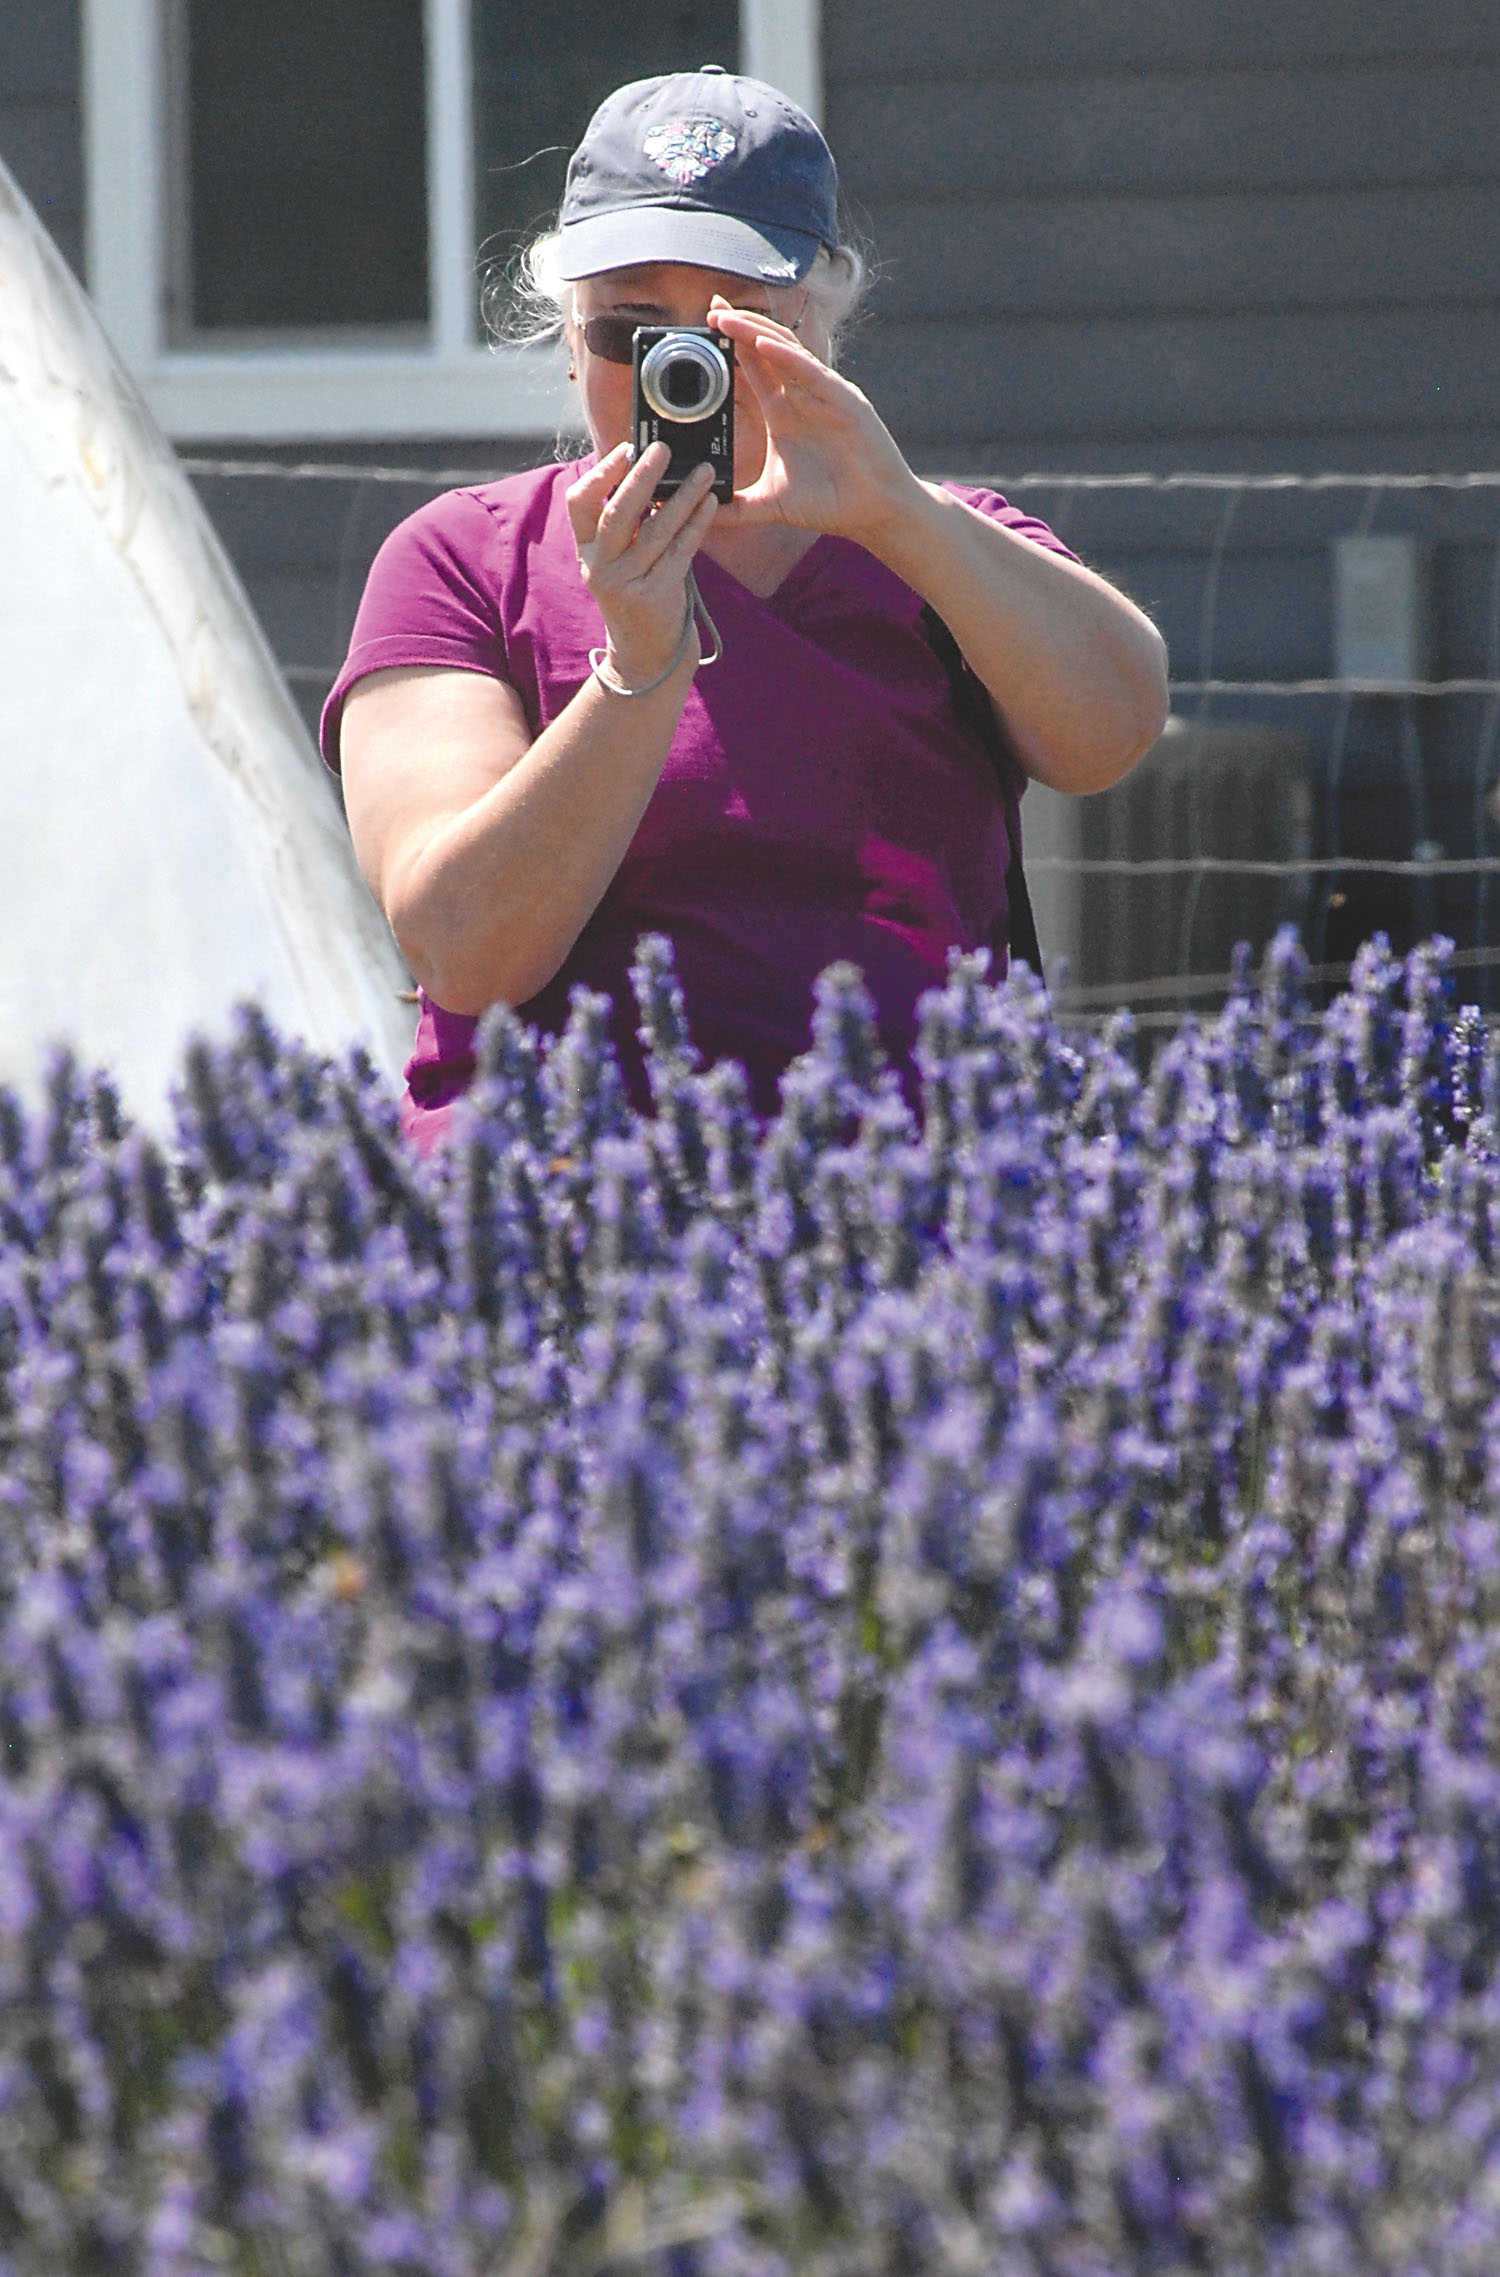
684 397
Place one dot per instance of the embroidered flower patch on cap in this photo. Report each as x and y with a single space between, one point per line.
687 149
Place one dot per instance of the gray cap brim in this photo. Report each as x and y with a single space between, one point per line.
634 235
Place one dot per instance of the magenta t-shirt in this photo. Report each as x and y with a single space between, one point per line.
822 798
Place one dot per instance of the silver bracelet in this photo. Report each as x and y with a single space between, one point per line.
607 677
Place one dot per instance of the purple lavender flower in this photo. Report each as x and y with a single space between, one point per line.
913 1688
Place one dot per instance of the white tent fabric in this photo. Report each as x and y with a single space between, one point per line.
167 845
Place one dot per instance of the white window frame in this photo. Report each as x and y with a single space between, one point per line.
453 386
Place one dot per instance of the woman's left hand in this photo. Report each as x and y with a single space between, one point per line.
831 463
1076 672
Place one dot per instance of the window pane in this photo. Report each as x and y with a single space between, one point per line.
540 73
307 177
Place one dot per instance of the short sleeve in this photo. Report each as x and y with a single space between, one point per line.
432 597
991 504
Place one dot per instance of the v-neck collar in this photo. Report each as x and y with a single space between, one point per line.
800 570
805 566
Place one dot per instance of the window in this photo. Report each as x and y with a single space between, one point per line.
301 166
288 200
534 89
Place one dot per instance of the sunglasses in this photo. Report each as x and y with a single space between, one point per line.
612 338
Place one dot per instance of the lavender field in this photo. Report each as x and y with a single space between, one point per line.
856 1699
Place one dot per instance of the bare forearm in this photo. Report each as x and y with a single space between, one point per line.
488 849
488 906
1078 670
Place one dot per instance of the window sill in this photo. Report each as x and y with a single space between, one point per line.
311 395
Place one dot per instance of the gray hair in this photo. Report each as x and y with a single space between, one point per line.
526 305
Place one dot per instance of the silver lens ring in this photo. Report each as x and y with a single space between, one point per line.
662 377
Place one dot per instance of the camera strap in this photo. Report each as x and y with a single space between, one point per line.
972 703
607 677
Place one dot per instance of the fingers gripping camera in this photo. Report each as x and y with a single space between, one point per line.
684 397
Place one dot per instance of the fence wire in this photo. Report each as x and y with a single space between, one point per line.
1396 775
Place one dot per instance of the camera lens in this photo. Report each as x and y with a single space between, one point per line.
684 384
684 377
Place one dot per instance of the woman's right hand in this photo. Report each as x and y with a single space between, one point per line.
635 559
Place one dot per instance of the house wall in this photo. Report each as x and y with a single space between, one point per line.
41 125
1173 235
303 548
1165 237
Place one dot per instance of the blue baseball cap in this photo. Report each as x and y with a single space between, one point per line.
705 167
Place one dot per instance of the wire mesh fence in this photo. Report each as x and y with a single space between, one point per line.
1286 790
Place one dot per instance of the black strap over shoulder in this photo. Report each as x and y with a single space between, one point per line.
973 705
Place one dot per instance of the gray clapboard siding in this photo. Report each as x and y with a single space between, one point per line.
1466 608
1169 237
1261 521
1015 38
1412 122
303 549
1075 256
41 131
1272 619
41 149
299 606
38 48
988 390
1411 449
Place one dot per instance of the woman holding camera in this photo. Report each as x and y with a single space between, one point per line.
544 756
